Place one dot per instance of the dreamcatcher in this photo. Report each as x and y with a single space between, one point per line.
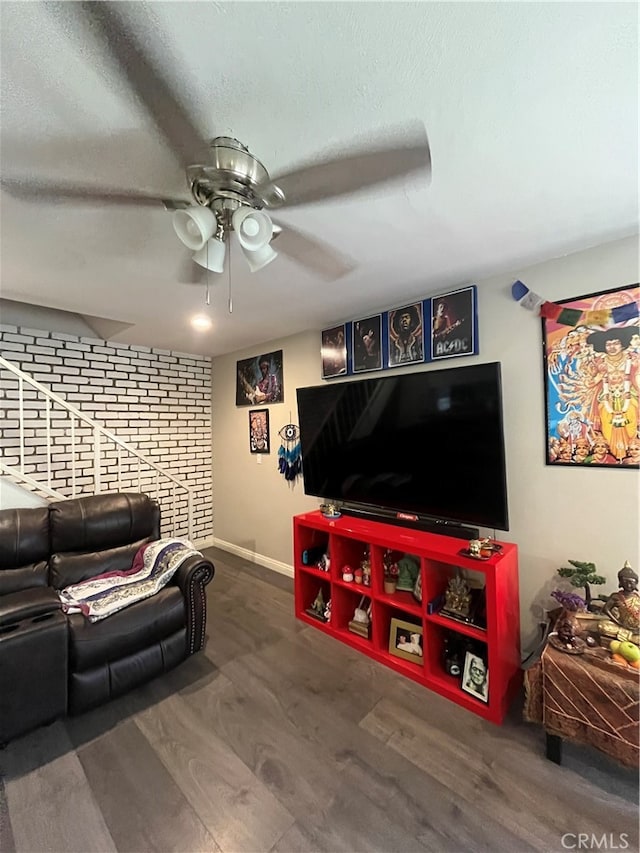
290 453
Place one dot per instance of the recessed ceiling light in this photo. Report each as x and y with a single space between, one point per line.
201 322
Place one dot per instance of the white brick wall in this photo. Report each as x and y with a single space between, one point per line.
155 400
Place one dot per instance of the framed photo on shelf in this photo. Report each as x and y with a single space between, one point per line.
475 677
259 431
406 335
590 371
333 351
259 380
454 324
405 640
367 344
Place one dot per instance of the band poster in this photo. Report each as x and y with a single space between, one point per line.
592 381
454 324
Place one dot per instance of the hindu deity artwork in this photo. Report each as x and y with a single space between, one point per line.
592 375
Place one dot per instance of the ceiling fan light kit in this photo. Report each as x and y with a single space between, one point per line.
253 227
194 226
259 258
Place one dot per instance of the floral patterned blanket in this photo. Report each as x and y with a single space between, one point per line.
153 567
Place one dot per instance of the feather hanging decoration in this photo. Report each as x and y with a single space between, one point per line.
290 453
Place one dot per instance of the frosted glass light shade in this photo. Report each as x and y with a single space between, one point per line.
211 256
194 226
253 228
259 258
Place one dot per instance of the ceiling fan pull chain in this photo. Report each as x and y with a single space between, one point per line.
208 296
230 297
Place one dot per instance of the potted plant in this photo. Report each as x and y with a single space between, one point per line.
582 574
391 572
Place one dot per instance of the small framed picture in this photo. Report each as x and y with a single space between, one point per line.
334 351
367 344
475 677
405 640
406 335
454 324
259 431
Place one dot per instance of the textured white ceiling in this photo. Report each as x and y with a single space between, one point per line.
531 111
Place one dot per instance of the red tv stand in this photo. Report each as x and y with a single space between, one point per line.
348 539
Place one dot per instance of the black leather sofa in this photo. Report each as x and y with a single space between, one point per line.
52 663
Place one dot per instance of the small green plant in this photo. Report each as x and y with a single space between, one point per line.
582 575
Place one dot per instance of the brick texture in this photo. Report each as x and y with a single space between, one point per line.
156 401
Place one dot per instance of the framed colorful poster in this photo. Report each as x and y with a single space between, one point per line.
367 344
334 351
592 380
259 380
454 323
259 431
406 337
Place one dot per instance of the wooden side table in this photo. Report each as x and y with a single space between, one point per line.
584 699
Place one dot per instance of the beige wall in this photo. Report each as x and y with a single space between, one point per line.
555 513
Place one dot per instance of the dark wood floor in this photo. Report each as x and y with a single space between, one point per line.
279 738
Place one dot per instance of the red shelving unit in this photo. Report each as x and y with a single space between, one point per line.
348 539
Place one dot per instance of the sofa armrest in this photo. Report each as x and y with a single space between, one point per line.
192 577
27 604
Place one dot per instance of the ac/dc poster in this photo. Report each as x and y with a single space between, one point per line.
454 323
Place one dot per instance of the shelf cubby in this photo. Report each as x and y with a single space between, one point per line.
349 539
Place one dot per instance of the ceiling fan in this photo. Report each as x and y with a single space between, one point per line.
230 191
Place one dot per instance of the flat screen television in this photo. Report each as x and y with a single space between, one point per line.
425 446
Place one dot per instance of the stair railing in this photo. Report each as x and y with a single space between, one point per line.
143 474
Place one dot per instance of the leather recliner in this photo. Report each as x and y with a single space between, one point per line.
43 550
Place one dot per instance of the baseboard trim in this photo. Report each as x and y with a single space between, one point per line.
208 542
252 557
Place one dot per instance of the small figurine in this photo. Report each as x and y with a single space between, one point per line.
327 612
324 563
317 609
623 606
347 574
564 638
357 575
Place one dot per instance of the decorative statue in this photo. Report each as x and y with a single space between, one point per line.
623 606
457 597
408 571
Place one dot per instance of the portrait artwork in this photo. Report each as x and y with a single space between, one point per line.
367 344
592 380
475 677
259 431
259 380
334 352
406 344
405 640
454 324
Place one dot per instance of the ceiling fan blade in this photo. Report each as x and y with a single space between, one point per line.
190 272
49 191
145 78
406 153
312 253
